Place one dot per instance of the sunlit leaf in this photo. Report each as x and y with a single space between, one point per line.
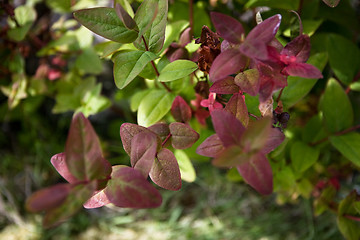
59 163
187 170
176 70
98 199
182 135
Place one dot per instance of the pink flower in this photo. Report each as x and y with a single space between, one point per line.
211 103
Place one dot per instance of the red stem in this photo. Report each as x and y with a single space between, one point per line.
336 134
166 139
352 217
191 18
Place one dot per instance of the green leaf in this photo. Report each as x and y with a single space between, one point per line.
176 70
154 106
126 5
106 23
145 15
348 227
136 98
344 58
284 4
25 16
89 62
128 64
155 35
336 107
187 170
348 145
303 156
299 87
172 32
355 86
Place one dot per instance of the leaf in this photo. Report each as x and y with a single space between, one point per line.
344 58
225 86
257 173
59 163
126 5
128 188
236 105
211 147
154 106
303 156
161 129
348 145
348 227
126 19
226 63
48 198
97 200
89 62
182 136
165 172
155 35
249 81
128 64
299 47
143 150
256 41
25 17
105 22
180 110
304 70
288 5
145 15
176 70
275 138
331 3
336 107
127 132
227 27
83 154
256 135
231 157
228 128
187 170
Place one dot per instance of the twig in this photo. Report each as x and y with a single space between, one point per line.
166 139
336 134
191 18
278 98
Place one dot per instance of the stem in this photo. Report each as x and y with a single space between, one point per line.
352 217
166 139
300 6
191 17
336 134
278 98
154 66
254 116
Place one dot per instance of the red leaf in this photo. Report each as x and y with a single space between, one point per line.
228 128
228 62
255 43
97 200
160 129
299 47
231 157
83 154
257 173
127 132
165 172
331 3
304 70
236 105
143 150
182 135
211 147
225 86
125 17
180 110
249 81
227 27
48 198
129 189
256 135
59 163
275 138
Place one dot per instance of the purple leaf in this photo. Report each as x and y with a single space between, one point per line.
249 81
299 47
275 138
231 157
125 17
225 86
97 200
59 163
255 43
48 198
143 150
185 37
236 105
331 3
228 62
127 132
257 173
228 128
83 154
266 90
211 147
227 27
165 172
304 70
160 129
180 110
256 135
129 189
182 135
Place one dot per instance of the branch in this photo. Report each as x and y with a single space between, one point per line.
166 139
336 134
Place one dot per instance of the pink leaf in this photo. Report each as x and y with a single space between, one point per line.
231 157
127 132
182 135
160 129
129 189
83 154
97 200
228 128
249 81
143 150
256 135
228 62
331 3
275 138
255 43
299 47
59 163
304 70
236 105
225 86
165 172
257 173
211 147
266 90
227 27
48 198
180 110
